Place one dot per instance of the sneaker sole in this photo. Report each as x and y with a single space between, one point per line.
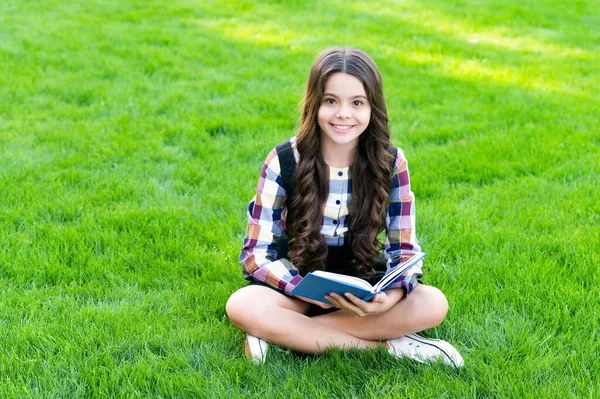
444 347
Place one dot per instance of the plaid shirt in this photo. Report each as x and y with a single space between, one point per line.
267 213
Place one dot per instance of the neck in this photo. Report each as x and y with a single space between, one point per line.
338 156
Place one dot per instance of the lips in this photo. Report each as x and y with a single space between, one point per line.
342 128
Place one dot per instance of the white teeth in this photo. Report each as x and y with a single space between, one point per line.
341 127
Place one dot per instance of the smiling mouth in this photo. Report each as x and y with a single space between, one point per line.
342 128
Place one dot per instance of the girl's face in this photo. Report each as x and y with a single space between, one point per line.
344 112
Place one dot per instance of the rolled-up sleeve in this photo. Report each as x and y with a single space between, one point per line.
258 256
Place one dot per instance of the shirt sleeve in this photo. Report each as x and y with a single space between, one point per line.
258 257
401 241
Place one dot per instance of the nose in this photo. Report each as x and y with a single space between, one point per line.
343 113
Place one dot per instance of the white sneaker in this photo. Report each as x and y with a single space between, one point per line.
256 349
425 350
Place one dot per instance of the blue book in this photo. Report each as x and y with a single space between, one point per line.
316 285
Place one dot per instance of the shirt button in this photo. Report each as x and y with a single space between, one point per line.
338 202
335 222
340 173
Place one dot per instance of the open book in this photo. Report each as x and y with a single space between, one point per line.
316 285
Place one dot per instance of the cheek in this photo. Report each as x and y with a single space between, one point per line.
323 116
366 116
320 113
323 113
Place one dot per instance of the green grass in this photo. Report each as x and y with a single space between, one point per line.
131 137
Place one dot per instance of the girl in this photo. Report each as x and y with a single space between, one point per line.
347 185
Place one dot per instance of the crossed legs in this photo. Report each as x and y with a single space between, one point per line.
281 320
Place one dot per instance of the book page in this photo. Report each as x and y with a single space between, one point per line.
356 281
399 270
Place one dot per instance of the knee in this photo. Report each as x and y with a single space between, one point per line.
238 309
430 306
438 306
247 310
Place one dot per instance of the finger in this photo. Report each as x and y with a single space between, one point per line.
375 305
312 301
334 301
354 299
364 306
344 304
380 298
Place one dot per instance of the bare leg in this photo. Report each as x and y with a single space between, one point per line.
280 319
425 307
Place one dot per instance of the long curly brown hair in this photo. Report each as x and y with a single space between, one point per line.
370 171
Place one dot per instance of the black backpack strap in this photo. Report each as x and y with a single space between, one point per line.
394 153
287 162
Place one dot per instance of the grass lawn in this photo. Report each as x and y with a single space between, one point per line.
131 138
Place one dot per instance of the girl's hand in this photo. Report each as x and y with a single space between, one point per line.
382 302
323 305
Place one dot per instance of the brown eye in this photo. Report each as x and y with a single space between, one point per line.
329 101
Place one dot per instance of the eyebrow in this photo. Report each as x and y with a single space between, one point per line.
333 95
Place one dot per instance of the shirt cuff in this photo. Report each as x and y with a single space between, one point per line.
292 284
408 283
